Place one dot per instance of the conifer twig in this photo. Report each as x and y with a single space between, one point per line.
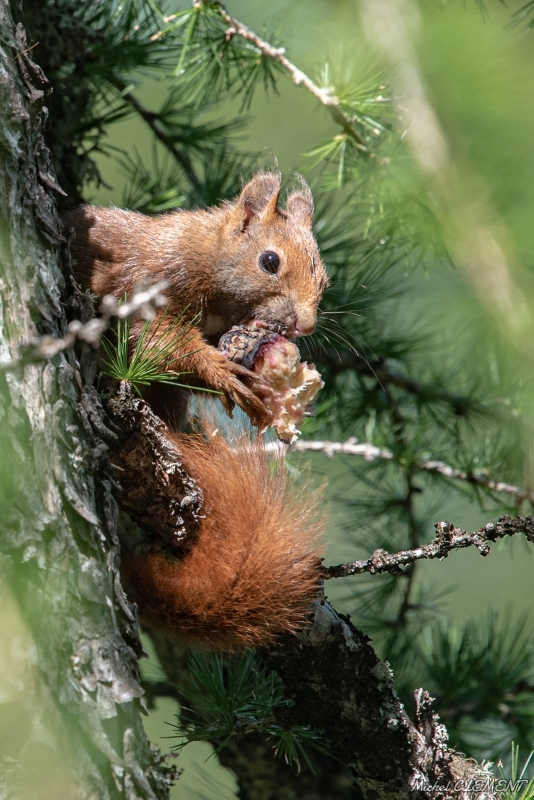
144 301
448 538
399 430
153 121
370 452
299 78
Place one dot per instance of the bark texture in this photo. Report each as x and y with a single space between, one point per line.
358 713
259 774
338 685
167 502
343 691
58 542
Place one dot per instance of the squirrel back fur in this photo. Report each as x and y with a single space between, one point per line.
210 257
254 569
211 260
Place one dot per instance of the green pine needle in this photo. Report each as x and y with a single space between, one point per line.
517 782
153 357
235 696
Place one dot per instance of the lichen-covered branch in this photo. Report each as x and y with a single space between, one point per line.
448 538
144 301
370 452
154 489
343 691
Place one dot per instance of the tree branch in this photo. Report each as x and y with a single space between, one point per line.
260 775
330 101
448 538
144 301
370 452
341 689
399 429
155 490
153 121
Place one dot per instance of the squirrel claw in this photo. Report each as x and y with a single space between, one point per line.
228 404
236 390
243 372
238 393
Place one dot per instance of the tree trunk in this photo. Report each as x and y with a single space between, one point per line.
78 711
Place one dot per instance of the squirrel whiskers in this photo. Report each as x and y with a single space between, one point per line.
254 569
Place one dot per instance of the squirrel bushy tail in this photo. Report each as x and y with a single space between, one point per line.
254 568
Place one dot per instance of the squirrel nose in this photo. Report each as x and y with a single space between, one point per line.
301 328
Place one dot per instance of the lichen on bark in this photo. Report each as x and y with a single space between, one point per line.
58 542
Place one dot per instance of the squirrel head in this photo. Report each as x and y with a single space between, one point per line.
267 265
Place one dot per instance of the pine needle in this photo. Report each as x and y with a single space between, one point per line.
153 359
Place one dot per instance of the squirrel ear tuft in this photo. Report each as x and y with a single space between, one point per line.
299 204
259 197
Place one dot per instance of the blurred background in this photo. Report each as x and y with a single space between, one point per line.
426 342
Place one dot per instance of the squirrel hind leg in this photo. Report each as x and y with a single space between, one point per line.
255 568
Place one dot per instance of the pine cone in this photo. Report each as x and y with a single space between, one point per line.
290 386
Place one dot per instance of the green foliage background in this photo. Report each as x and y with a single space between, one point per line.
422 309
432 283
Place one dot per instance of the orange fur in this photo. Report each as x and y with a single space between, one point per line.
210 261
255 567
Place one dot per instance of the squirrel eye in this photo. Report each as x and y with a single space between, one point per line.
269 262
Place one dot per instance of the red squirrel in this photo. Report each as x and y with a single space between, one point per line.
254 569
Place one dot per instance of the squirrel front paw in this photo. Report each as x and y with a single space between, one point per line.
235 392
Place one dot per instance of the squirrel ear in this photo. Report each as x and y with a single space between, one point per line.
259 197
299 205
